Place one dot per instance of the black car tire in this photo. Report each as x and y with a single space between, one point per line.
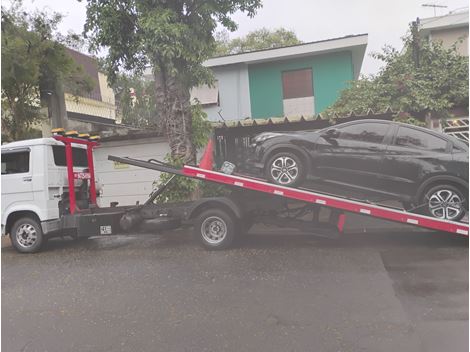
215 229
444 195
26 235
283 164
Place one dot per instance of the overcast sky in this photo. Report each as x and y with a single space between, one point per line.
386 21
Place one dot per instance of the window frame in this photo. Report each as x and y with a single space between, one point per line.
448 148
18 151
73 156
385 140
297 70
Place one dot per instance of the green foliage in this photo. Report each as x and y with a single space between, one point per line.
257 40
175 35
136 103
174 38
405 117
202 128
436 82
32 61
180 189
183 188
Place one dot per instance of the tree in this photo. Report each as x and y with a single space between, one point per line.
174 38
432 80
32 63
257 40
136 101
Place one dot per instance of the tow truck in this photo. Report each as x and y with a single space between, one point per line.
49 190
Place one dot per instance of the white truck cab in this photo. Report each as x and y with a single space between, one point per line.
35 185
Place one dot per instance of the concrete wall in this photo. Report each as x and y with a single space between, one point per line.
234 93
127 184
449 36
91 107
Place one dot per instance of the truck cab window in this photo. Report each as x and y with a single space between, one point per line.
15 163
79 156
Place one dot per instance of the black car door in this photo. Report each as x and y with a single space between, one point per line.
412 155
354 157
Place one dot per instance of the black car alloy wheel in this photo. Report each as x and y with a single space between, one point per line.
445 202
285 169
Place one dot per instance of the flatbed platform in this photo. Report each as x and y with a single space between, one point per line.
308 196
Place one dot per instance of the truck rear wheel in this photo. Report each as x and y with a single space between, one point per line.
26 235
215 229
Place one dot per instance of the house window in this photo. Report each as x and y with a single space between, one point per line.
297 90
297 84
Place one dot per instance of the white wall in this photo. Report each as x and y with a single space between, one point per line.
127 184
449 36
234 93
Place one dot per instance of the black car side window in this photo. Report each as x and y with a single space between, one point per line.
411 138
364 132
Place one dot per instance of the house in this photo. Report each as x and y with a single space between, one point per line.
298 80
447 29
94 111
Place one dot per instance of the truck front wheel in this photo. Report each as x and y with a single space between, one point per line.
214 229
26 235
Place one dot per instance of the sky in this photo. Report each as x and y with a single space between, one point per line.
386 21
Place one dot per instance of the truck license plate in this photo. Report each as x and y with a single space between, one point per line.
105 230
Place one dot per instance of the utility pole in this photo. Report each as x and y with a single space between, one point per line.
415 41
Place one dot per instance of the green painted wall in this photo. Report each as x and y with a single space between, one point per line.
330 74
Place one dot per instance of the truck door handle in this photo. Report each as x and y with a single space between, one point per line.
27 179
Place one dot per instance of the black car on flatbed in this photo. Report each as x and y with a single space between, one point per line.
370 159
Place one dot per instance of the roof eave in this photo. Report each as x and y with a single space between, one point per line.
298 51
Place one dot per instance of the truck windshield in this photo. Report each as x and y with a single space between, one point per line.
78 154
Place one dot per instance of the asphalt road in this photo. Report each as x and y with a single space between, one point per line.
369 292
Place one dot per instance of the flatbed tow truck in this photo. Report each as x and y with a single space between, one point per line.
216 221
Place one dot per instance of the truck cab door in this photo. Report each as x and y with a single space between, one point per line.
17 178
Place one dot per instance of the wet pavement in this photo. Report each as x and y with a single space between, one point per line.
279 292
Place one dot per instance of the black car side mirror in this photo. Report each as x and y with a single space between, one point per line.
330 133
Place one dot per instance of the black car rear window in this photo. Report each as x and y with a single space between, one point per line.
412 138
79 156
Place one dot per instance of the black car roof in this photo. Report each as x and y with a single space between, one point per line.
423 129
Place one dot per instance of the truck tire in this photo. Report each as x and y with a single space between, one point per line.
26 235
214 229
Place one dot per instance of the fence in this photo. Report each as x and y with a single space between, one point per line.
457 128
233 139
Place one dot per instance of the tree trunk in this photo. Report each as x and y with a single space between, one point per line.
173 108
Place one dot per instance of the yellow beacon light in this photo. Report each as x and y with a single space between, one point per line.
94 138
71 134
58 131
